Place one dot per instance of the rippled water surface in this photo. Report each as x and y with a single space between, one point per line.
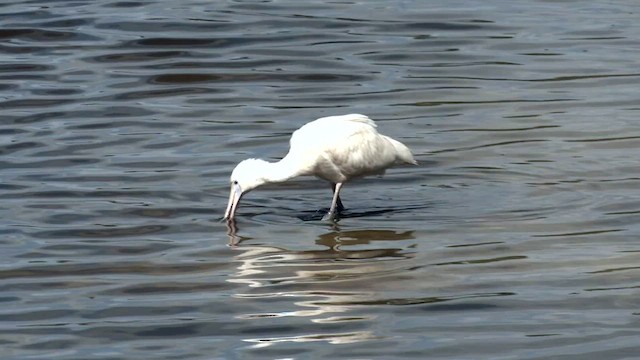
515 238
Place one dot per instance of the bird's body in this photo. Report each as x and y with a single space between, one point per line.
334 148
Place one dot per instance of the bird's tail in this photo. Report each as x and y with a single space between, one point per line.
402 152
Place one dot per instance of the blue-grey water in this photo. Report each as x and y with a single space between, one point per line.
517 237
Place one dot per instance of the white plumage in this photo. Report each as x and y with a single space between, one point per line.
334 148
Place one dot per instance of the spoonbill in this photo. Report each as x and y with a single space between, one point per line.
334 148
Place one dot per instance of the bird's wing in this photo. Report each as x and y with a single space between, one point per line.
363 151
357 118
329 131
337 122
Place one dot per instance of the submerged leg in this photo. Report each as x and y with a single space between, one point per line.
340 206
331 215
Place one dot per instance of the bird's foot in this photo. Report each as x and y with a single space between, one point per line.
330 216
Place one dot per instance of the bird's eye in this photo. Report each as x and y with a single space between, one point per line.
235 182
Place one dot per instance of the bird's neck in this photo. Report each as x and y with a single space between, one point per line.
283 170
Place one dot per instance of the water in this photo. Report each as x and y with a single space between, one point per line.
515 238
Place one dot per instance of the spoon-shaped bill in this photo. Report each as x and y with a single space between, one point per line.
234 199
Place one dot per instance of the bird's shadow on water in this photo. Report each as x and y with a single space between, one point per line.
345 214
318 215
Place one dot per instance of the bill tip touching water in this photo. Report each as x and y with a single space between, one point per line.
335 148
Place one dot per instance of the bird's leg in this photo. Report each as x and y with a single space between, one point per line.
331 215
340 207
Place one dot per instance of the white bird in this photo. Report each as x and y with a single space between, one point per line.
334 148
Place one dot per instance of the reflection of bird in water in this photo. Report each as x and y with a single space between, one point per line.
345 257
335 148
337 245
315 293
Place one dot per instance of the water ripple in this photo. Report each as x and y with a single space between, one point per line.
121 121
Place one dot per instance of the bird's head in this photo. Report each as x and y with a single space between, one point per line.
247 175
